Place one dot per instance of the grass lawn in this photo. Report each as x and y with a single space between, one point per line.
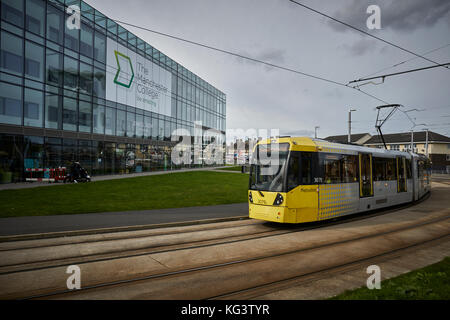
432 282
233 168
173 190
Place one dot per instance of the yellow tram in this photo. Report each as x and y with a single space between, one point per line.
317 180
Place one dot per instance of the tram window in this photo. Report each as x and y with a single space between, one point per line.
390 169
293 176
350 168
408 169
331 164
401 168
420 166
306 168
384 169
379 169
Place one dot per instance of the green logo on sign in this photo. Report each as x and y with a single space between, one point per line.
126 85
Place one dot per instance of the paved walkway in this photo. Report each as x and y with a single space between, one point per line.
72 222
24 185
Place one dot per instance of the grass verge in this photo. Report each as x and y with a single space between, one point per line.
429 283
233 168
173 190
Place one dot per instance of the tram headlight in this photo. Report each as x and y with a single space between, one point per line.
250 198
278 200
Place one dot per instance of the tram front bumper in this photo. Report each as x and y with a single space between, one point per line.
270 213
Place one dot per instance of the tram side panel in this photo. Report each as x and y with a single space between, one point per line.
336 200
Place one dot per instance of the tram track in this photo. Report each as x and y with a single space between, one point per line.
260 291
216 268
267 230
237 262
204 260
120 235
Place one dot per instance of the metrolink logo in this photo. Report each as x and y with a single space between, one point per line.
121 77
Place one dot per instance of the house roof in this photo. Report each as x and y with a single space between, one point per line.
344 138
405 137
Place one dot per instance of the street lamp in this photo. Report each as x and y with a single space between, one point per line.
350 125
315 131
412 134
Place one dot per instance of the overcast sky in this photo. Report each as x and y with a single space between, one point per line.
282 33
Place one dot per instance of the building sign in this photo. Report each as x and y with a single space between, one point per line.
135 81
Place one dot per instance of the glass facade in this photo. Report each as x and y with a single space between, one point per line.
53 106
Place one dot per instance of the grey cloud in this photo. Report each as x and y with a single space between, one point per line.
297 133
360 47
400 15
275 56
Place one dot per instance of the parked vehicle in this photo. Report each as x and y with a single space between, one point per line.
77 174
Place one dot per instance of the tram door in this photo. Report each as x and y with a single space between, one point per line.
401 174
365 175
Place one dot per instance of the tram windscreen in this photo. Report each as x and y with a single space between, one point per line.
265 175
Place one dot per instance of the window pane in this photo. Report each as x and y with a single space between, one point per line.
154 128
55 26
331 166
139 126
53 155
100 47
10 104
161 129
34 61
33 152
33 108
306 168
147 127
70 114
84 116
110 121
99 83
52 111
12 11
121 122
390 171
11 53
54 67
99 119
379 169
167 130
178 115
70 73
35 16
86 81
131 124
350 169
184 111
86 43
72 36
408 169
293 172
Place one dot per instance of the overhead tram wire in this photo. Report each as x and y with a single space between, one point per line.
273 65
364 32
256 60
383 76
250 59
233 54
262 62
405 61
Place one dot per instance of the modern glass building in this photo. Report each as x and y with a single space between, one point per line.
98 94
